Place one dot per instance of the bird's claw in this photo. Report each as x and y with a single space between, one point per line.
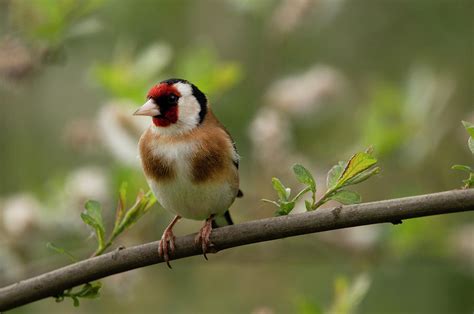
166 246
204 237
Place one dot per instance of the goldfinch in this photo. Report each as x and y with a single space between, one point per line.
189 159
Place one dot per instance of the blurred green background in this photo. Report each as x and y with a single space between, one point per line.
307 81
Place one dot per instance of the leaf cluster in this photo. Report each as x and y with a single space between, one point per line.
469 181
92 216
360 167
124 218
87 291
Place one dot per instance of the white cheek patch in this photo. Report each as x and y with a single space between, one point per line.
184 89
188 110
188 107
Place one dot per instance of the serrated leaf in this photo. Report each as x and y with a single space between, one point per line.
304 176
363 176
334 174
92 216
357 164
346 197
462 168
279 188
470 143
308 206
469 128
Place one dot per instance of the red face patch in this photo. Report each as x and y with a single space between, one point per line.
162 90
170 116
169 112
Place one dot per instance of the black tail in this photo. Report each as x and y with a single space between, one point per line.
222 221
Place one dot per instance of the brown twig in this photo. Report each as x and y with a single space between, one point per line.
389 211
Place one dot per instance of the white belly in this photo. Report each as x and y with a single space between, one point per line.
181 197
185 198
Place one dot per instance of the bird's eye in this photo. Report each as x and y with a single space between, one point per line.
172 98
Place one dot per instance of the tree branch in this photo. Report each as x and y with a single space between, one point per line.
391 211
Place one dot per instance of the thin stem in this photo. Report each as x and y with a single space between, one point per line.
102 249
324 198
126 220
271 202
307 189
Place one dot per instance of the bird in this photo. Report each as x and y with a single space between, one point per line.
189 159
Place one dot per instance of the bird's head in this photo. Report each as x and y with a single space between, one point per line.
175 105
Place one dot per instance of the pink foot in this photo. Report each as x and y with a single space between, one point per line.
166 245
204 235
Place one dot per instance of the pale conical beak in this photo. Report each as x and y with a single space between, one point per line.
148 109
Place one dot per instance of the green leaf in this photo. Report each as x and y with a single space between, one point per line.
357 164
469 182
363 176
90 290
304 176
346 197
462 168
287 207
92 216
60 250
122 202
469 128
470 143
279 188
142 204
75 301
334 174
308 205
93 211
